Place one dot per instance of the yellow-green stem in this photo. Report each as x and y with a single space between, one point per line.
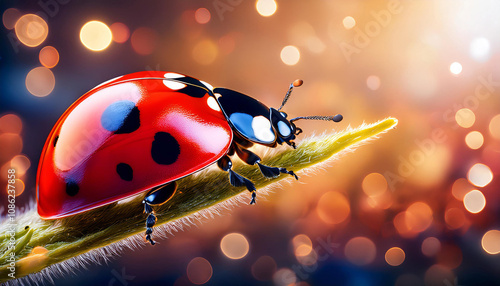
73 236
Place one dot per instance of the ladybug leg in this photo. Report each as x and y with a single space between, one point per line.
291 143
155 197
236 179
268 172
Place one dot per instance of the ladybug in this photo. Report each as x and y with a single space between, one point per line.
142 132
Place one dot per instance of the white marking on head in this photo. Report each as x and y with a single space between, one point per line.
173 75
283 129
262 129
209 86
212 103
173 84
217 95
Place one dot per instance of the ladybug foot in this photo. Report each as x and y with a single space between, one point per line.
291 143
285 171
273 172
254 195
148 238
237 180
149 231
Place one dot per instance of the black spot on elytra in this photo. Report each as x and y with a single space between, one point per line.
72 188
131 123
55 140
193 91
125 171
121 117
165 149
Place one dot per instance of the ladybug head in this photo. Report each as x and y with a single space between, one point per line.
255 122
286 129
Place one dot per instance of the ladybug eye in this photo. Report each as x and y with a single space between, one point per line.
283 114
284 129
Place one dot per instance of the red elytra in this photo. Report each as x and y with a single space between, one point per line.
100 152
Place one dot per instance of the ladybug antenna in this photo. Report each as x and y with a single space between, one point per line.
335 118
296 83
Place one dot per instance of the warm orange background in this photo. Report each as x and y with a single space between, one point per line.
419 206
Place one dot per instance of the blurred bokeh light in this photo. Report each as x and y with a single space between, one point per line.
480 175
333 207
95 36
456 68
373 82
266 8
374 184
474 201
349 22
205 52
18 186
480 49
290 55
202 15
454 218
461 187
144 40
494 127
284 277
10 17
21 163
120 32
31 30
12 144
49 57
302 245
11 123
264 268
234 245
40 81
491 241
418 216
431 246
474 140
394 256
360 250
199 270
465 117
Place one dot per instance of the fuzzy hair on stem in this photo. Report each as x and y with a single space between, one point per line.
94 236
